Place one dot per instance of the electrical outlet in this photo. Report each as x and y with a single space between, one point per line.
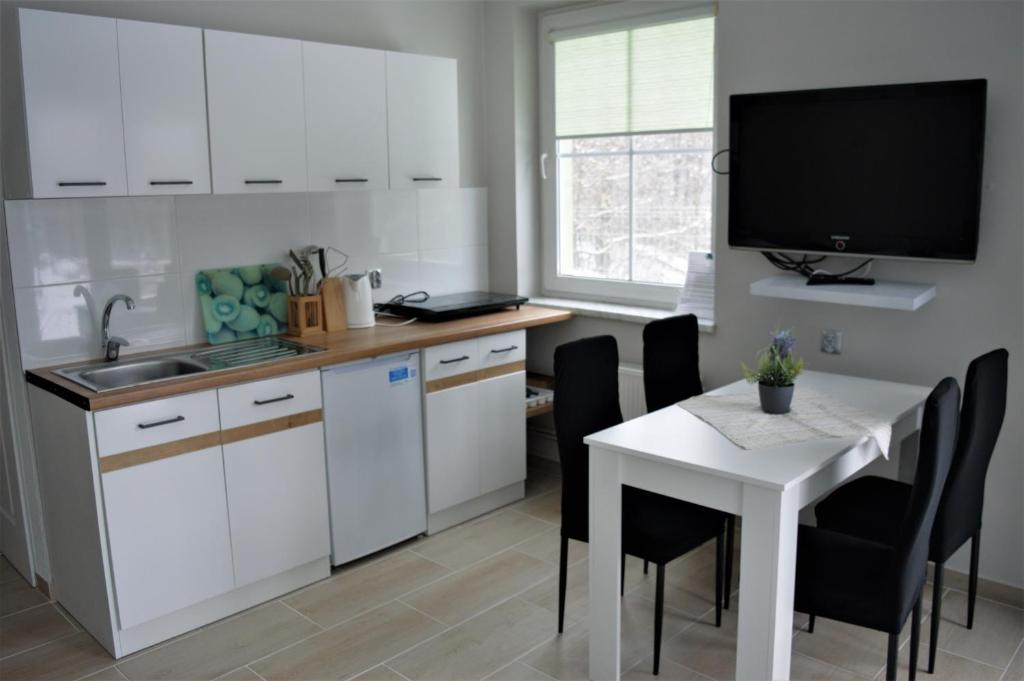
832 342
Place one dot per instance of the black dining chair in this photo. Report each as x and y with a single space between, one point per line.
655 528
671 375
873 584
866 506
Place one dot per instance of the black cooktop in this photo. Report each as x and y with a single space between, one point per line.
455 305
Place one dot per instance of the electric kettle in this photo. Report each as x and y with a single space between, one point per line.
358 298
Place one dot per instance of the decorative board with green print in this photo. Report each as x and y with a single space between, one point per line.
242 302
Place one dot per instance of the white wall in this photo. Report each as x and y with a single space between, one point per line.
781 45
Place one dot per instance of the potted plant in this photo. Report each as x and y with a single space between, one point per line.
777 368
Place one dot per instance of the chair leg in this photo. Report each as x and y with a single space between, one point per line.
719 576
810 624
915 637
730 539
563 570
659 611
645 567
936 616
622 576
891 657
972 584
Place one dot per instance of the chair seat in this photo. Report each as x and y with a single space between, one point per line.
660 528
870 508
843 577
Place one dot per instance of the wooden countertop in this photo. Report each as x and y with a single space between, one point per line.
343 346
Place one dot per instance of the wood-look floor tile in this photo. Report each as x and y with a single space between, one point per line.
948 667
479 646
240 674
517 671
577 589
803 668
30 628
547 546
466 544
350 593
998 630
113 674
566 656
690 580
478 587
856 649
70 657
668 671
1015 672
351 647
17 595
222 647
546 507
379 673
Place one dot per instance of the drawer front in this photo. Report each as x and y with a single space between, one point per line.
450 359
273 398
502 348
147 424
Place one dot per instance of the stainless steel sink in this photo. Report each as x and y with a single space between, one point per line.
128 373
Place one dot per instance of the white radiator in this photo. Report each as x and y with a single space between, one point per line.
631 391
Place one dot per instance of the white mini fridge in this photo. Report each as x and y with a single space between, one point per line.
375 467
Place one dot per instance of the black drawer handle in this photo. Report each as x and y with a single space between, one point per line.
264 181
282 398
351 179
453 361
427 179
154 424
164 183
501 350
82 184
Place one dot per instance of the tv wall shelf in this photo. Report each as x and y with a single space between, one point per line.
891 295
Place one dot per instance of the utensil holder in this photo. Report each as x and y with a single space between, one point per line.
305 315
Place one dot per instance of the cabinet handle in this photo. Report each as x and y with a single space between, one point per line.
162 183
453 361
264 181
508 349
82 184
351 179
282 398
154 424
427 179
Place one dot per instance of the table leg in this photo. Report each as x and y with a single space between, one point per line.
767 576
605 552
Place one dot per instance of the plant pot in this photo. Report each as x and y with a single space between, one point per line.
775 399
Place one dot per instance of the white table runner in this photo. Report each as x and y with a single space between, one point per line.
814 416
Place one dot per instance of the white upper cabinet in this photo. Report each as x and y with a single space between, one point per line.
257 113
423 121
164 96
72 104
346 117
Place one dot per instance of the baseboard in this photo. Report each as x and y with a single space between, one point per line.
43 587
468 510
987 588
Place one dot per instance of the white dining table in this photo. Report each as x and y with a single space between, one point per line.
672 452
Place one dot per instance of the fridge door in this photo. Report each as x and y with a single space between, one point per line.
375 468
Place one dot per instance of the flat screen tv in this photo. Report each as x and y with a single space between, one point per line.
887 170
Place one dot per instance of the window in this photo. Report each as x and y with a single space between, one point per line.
628 110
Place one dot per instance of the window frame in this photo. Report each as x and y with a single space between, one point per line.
578 23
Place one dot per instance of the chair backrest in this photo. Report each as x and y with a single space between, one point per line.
935 455
671 362
586 401
981 418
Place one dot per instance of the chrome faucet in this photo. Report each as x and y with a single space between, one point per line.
111 345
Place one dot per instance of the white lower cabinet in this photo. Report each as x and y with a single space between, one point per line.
277 496
453 462
167 524
502 424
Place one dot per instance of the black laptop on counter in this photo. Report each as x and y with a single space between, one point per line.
454 306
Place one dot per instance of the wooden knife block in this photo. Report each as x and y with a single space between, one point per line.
334 305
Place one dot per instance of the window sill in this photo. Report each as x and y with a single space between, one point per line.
623 313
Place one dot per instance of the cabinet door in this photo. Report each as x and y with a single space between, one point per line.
163 90
257 113
423 121
277 500
167 525
346 117
502 430
72 104
453 464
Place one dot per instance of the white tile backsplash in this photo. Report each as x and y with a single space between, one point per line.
59 241
70 255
